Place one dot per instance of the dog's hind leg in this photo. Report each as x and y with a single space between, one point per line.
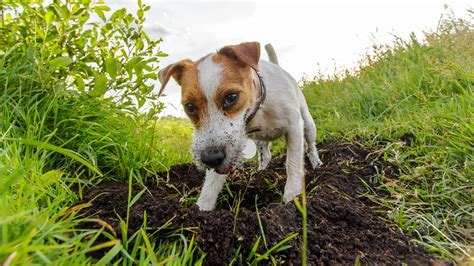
264 154
213 184
310 137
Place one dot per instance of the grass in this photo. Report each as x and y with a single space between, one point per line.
53 142
423 89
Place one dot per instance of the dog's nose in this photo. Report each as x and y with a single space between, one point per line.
212 157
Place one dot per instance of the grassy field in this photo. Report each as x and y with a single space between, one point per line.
422 91
54 142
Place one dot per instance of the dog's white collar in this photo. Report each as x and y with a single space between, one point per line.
262 93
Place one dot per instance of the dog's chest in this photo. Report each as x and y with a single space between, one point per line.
266 125
267 134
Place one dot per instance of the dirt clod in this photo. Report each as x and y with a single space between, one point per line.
344 225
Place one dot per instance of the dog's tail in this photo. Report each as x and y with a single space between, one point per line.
271 53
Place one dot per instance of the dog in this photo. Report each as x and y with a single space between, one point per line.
233 95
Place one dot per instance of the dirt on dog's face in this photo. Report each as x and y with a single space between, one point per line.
216 95
217 92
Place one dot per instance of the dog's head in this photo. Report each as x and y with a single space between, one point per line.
217 93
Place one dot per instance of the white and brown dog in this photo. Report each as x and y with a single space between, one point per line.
232 95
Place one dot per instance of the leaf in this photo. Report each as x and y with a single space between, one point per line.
64 12
107 244
40 32
112 66
79 11
119 14
103 8
80 84
141 102
48 17
61 61
136 198
100 86
77 208
99 10
279 246
139 45
149 248
134 61
101 14
51 177
105 260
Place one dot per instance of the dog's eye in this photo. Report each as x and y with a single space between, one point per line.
190 109
230 99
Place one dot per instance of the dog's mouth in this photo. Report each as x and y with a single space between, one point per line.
224 169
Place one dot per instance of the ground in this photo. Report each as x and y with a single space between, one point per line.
344 225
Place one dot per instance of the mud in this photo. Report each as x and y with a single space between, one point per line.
344 226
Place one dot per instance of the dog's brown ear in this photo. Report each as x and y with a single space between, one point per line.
246 52
174 70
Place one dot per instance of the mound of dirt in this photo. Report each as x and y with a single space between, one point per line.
343 225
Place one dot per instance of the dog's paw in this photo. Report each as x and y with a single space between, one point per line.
263 164
314 158
289 195
205 205
316 163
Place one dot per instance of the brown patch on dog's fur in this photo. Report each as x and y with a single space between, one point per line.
191 92
236 78
174 70
247 53
186 75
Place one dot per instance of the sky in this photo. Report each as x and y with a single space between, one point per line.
309 37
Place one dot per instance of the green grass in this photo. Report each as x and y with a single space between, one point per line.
424 89
53 141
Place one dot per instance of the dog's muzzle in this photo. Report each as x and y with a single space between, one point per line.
213 157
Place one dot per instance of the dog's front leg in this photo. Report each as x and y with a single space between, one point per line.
265 155
213 184
294 161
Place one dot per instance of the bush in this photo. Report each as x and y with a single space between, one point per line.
79 83
111 58
70 93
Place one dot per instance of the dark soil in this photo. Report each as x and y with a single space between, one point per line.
344 225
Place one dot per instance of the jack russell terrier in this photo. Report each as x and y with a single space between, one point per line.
232 95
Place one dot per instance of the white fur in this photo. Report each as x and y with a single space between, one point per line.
285 111
210 191
210 75
221 132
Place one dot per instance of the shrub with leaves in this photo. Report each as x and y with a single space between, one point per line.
76 76
79 44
